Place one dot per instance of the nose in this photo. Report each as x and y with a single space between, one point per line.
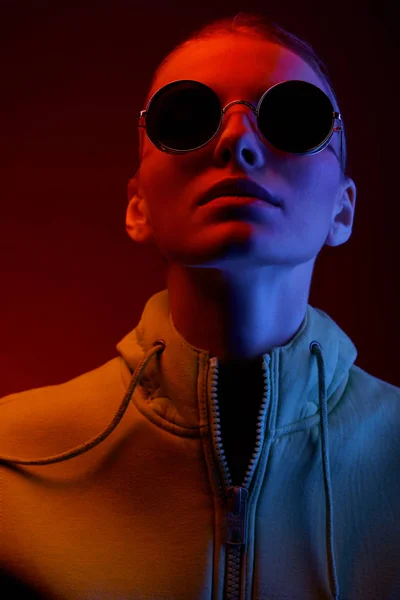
239 138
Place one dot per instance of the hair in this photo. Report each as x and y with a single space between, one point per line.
257 25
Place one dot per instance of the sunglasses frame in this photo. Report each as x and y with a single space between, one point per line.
335 115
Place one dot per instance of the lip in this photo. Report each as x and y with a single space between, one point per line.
237 186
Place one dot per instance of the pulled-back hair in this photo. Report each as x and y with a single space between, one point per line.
257 25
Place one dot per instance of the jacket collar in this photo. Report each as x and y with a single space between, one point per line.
172 384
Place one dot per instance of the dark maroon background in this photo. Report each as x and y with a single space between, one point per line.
72 79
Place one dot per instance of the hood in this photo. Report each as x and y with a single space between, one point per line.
173 380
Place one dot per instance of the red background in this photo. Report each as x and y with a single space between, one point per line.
73 79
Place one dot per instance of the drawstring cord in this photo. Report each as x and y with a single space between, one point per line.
316 349
157 346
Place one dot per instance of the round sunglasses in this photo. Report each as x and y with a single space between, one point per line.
294 116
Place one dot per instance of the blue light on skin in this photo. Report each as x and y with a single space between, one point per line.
239 288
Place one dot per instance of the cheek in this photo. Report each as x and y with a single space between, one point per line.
313 190
161 173
314 177
166 178
162 186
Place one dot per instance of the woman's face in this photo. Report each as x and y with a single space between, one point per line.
164 205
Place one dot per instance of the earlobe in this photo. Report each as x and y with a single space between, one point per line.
342 222
130 221
137 223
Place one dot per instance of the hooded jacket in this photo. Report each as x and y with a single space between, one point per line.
115 485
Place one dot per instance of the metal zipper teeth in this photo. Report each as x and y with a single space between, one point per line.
236 496
216 426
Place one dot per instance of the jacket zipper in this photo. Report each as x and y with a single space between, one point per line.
236 496
236 537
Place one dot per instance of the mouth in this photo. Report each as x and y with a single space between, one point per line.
239 188
241 203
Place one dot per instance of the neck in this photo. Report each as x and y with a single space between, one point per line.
238 320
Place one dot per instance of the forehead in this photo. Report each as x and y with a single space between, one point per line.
237 66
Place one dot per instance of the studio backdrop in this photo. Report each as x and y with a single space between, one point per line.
73 78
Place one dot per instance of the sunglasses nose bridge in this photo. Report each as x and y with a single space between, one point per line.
234 102
253 108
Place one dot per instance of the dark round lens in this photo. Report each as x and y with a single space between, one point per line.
296 116
183 115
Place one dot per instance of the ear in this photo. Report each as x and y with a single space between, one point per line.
343 215
137 222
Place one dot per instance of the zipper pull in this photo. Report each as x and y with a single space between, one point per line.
236 515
